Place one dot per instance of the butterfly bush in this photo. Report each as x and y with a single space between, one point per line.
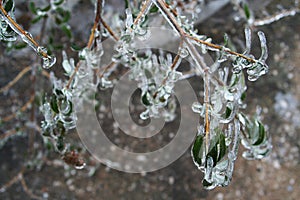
224 125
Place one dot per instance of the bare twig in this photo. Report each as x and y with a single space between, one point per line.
27 190
22 109
107 27
12 181
16 79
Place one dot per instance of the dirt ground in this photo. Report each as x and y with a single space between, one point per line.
276 177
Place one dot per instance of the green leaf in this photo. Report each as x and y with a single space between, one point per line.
145 100
53 104
60 143
243 97
217 147
226 39
206 184
223 146
75 47
148 74
58 2
36 19
9 5
70 108
32 8
247 11
234 80
20 45
261 134
46 9
213 149
63 16
153 9
227 112
66 29
126 4
197 148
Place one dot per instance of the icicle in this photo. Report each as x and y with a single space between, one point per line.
248 40
263 44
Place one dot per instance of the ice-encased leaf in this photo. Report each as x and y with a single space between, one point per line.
255 139
197 150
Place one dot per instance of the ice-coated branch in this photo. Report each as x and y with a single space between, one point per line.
48 61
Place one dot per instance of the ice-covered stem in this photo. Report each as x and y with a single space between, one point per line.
207 106
276 17
161 5
26 37
219 47
107 27
173 22
96 25
144 10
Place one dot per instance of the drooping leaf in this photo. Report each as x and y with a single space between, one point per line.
36 19
261 134
9 5
57 3
145 100
247 11
197 148
153 9
46 9
223 147
53 104
32 7
227 112
66 29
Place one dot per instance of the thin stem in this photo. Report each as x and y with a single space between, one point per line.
174 23
107 27
90 41
207 106
26 189
16 79
12 181
22 109
96 23
106 68
219 47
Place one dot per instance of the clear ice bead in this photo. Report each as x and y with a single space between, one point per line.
48 61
